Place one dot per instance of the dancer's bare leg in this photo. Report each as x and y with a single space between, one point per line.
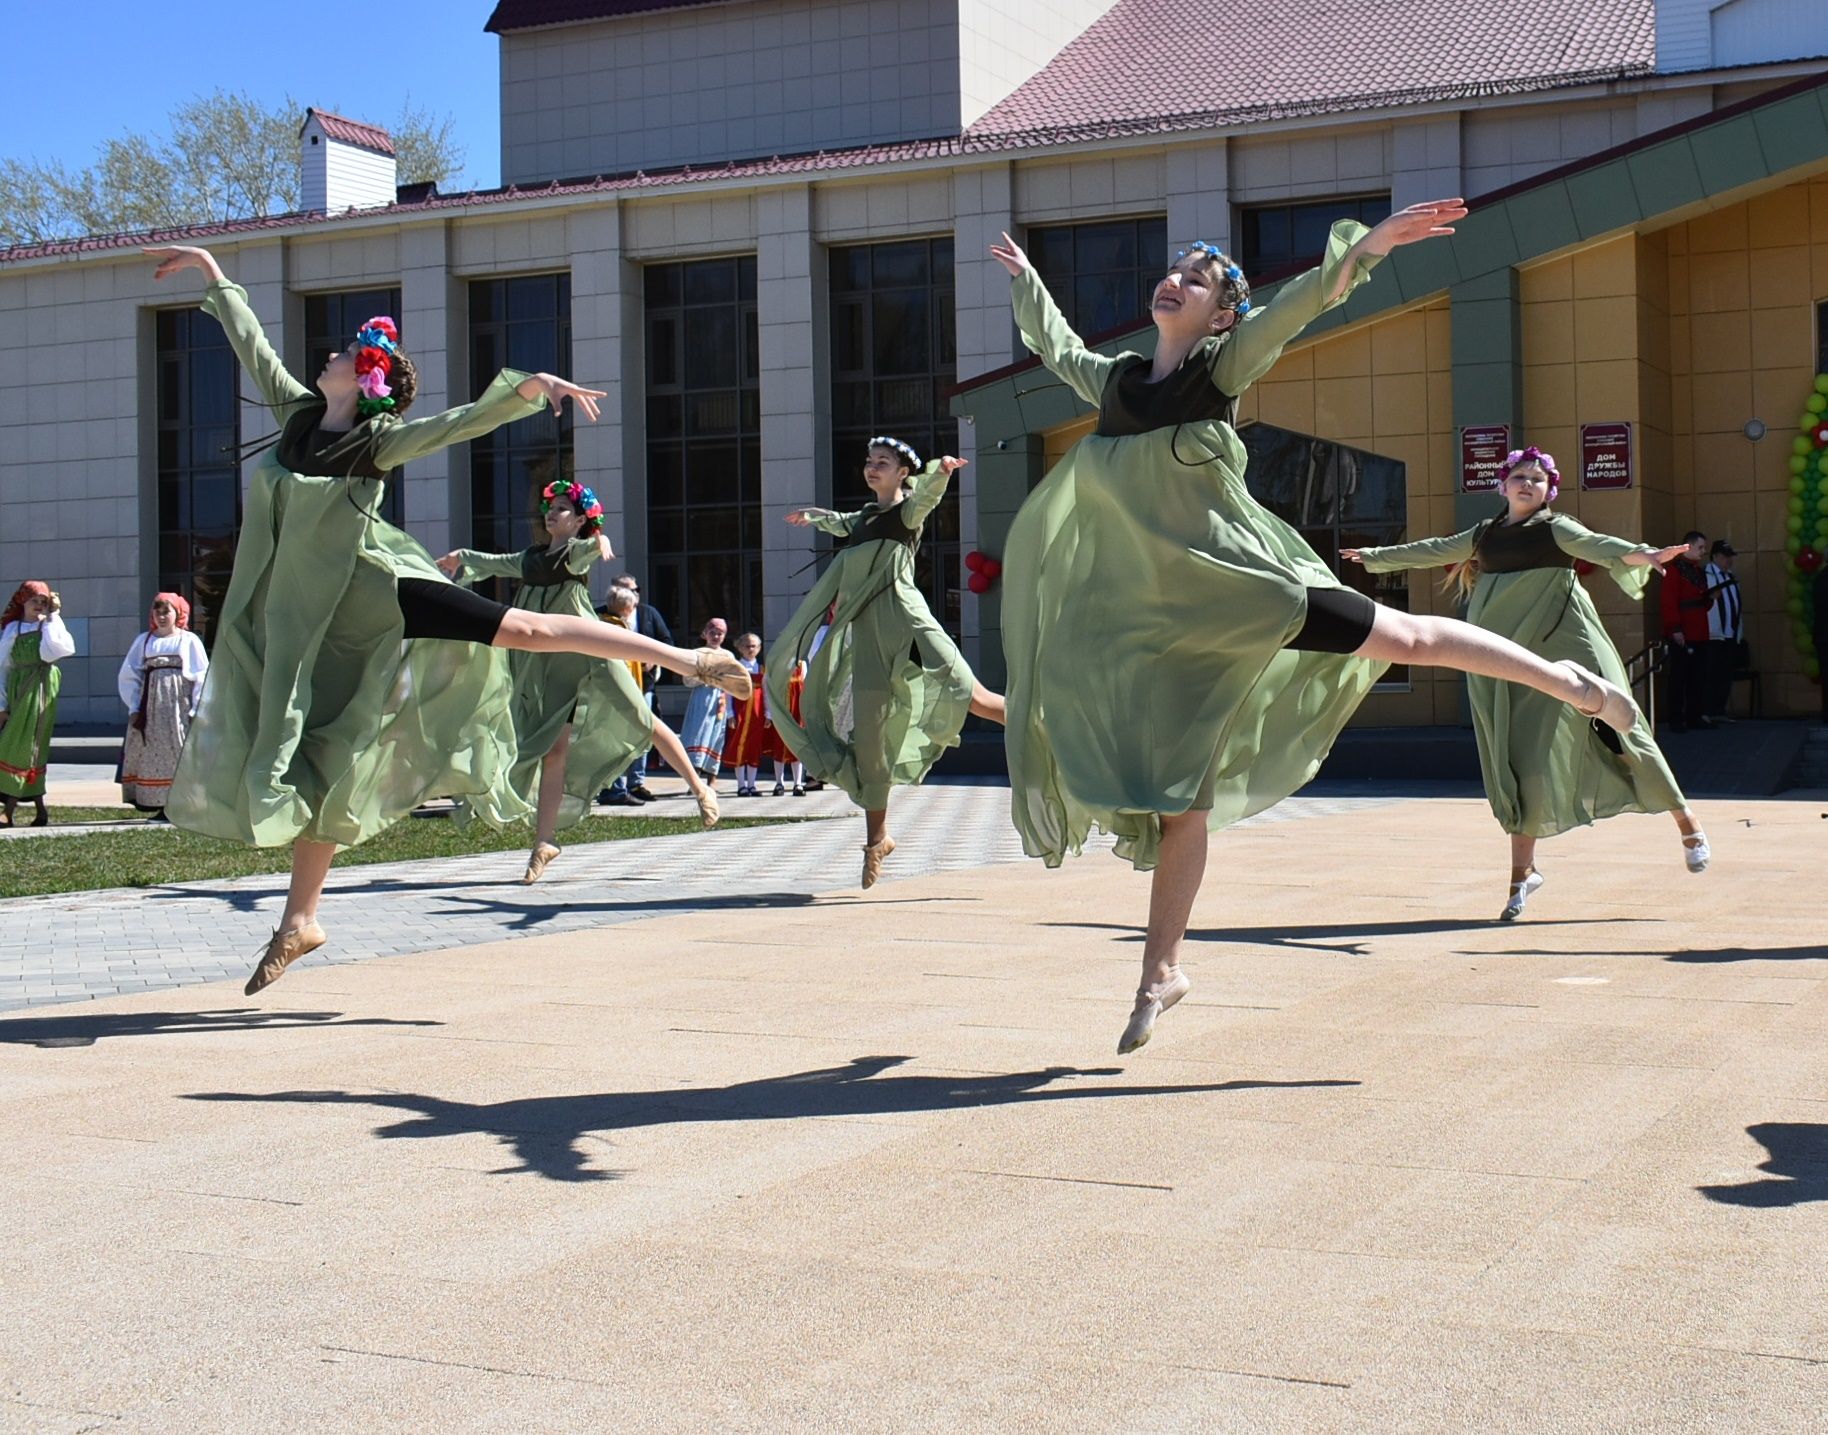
673 754
1179 868
1430 642
310 870
566 633
1523 857
1687 823
875 825
986 704
552 788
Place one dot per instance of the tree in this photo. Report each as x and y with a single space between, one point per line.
226 157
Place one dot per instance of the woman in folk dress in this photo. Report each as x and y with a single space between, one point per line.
161 683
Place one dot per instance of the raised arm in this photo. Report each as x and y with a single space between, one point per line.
470 565
1423 553
928 487
54 640
1045 330
227 303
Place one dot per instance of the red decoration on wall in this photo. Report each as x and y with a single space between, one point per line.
984 571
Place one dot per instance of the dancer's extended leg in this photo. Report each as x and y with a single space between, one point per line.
298 931
566 633
1179 867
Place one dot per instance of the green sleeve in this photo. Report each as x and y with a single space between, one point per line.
1423 553
477 566
1603 551
227 303
402 442
1045 332
926 489
1258 340
580 553
840 524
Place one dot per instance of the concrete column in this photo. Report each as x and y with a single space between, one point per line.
790 312
1487 366
1199 197
598 280
433 324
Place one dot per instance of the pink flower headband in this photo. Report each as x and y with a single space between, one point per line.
1518 457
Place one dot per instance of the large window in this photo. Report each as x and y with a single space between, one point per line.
199 479
893 356
330 324
521 323
1101 275
704 445
1274 236
1337 497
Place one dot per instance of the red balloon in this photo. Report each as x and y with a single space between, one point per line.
974 561
1821 435
1582 567
1808 559
978 583
991 569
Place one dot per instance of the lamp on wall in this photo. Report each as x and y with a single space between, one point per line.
1755 429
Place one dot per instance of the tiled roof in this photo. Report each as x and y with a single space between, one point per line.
534 14
352 131
1159 64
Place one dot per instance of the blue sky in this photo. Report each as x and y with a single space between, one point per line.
65 87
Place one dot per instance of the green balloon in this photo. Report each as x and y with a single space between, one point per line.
1812 667
1797 464
1802 444
1794 523
1794 546
1794 607
1821 383
1817 402
1795 503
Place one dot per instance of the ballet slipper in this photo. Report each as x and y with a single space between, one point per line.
1151 1002
538 861
706 798
874 855
1521 892
1613 706
1695 852
719 669
283 949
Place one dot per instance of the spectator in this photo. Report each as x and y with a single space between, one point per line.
1685 606
1725 631
647 621
33 639
628 790
707 714
161 683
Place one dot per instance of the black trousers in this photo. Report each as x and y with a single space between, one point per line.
1717 661
1687 683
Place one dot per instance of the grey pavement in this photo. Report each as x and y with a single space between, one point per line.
77 946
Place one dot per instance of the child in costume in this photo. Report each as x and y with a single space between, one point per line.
371 682
1546 768
786 765
747 741
33 639
580 721
1231 655
873 717
707 716
161 683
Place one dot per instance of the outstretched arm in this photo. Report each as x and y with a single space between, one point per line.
1045 330
512 396
227 304
469 565
1423 553
928 487
826 520
1628 563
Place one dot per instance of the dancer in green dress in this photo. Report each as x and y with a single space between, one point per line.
886 690
579 721
351 679
1230 656
33 639
1546 768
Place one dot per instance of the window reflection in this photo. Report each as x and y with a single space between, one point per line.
198 474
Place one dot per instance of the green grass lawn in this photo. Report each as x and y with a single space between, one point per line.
152 855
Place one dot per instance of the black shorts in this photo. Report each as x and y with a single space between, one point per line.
1339 620
444 610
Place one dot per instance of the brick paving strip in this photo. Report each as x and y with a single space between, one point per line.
73 946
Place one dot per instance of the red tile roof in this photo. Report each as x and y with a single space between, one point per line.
1162 64
535 14
371 137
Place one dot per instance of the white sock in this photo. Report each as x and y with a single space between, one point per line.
798 769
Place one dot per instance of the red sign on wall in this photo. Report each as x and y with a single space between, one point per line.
1605 455
1482 452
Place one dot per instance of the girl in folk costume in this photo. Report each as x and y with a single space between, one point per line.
1546 767
1224 635
371 682
707 716
750 738
161 683
786 765
873 716
579 721
33 639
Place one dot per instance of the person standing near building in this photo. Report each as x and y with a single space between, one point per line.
33 640
1684 605
707 715
1725 630
161 683
650 624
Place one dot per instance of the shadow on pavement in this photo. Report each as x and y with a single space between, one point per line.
1798 1167
90 1027
546 1132
1700 955
525 914
1324 936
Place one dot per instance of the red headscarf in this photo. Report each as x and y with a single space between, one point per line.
15 609
178 606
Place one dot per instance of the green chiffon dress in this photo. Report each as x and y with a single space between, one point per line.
29 654
319 720
1546 767
887 692
1149 599
611 725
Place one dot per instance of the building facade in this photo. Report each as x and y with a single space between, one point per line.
762 226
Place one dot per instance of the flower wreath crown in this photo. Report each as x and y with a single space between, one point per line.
1231 271
379 345
579 497
1518 457
905 450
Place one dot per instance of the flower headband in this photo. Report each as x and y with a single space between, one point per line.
579 497
1230 270
883 441
378 344
1518 457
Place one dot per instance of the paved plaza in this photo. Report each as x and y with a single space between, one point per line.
708 1140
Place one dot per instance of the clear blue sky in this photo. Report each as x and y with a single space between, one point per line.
75 74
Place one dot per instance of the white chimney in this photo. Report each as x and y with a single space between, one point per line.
343 164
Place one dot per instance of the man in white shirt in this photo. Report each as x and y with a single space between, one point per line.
1725 631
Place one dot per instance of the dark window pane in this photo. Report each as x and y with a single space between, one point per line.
850 269
893 264
1098 247
662 351
711 281
1051 250
661 285
901 338
710 347
745 278
534 298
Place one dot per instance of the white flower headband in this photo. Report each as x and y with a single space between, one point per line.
884 441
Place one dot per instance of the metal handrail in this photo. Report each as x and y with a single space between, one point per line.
1642 670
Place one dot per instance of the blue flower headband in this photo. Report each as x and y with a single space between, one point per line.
1231 271
372 336
901 448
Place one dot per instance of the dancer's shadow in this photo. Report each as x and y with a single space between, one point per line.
1338 938
87 1028
1798 1167
524 914
546 1132
1693 955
